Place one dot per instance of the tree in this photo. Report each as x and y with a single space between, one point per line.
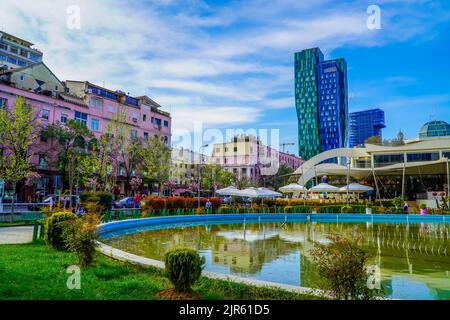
245 182
279 179
124 148
18 131
215 175
72 139
156 157
374 140
99 164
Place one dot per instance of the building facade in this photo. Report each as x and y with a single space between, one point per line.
184 166
321 100
246 156
55 102
365 124
16 52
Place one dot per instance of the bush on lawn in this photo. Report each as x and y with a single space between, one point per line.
183 267
80 237
54 228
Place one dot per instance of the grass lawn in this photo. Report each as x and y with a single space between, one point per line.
35 271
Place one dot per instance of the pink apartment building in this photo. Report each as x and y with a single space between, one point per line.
57 101
246 156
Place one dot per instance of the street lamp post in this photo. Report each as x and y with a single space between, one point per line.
199 173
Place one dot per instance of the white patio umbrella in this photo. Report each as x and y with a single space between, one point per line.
229 191
356 188
293 187
254 193
270 193
324 187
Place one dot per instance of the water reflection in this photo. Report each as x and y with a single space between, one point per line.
413 258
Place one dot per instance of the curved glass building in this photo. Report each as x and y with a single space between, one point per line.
434 129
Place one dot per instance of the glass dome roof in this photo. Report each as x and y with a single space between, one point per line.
435 128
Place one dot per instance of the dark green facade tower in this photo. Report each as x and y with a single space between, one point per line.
321 100
306 94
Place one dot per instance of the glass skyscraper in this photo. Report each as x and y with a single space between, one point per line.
321 102
365 124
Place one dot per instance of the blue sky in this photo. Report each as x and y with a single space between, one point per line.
230 63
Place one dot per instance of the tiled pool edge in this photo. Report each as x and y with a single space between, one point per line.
146 262
340 217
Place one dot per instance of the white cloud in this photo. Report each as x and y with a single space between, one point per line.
203 61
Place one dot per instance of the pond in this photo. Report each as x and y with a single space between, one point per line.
413 257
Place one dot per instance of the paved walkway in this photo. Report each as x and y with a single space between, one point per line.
14 235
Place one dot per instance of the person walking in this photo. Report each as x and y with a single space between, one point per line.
405 208
208 206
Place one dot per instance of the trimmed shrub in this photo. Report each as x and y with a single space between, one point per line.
80 237
346 209
54 228
288 209
200 210
225 209
97 201
183 267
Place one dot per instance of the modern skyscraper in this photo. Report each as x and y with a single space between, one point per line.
321 101
365 124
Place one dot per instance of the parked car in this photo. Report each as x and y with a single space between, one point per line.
125 203
73 200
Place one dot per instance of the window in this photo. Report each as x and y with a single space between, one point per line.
96 103
14 49
166 139
22 78
144 117
427 156
111 109
43 163
44 137
3 46
158 121
3 102
95 124
134 134
64 118
24 53
166 123
35 57
217 149
235 149
387 159
446 154
81 117
146 136
45 114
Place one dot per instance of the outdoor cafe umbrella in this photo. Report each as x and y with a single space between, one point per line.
356 188
270 193
293 187
324 187
229 191
256 193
